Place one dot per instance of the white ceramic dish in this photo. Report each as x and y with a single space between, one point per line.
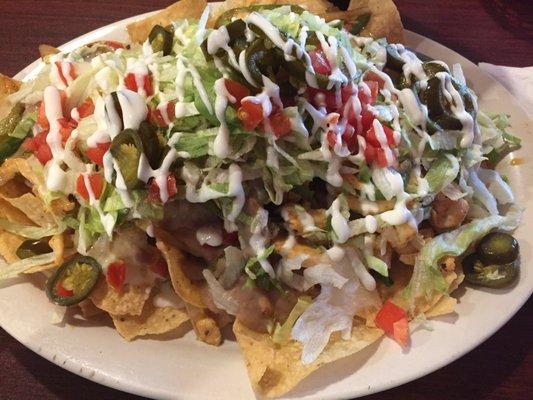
188 369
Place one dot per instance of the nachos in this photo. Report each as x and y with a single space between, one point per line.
283 167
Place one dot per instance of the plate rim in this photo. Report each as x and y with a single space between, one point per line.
100 377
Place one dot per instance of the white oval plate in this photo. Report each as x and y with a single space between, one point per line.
188 369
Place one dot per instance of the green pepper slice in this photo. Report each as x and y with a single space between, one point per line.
491 275
498 248
226 17
30 248
435 101
161 39
394 60
360 23
261 60
73 281
10 144
431 68
151 144
127 147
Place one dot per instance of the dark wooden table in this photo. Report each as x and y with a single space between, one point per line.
482 30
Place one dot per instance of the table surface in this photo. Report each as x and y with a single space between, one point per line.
481 30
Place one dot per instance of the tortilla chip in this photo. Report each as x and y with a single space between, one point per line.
446 305
130 300
9 243
47 50
152 321
384 21
319 7
22 187
205 326
7 87
274 370
139 30
175 258
33 207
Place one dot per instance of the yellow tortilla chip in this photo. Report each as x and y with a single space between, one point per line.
33 207
152 321
274 370
47 50
384 21
130 300
7 87
22 187
9 243
446 305
204 325
139 30
184 287
319 7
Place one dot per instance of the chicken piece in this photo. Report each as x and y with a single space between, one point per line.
367 207
298 249
400 236
302 220
447 214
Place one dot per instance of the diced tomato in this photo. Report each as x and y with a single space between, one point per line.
38 146
250 114
156 117
97 185
43 154
114 44
347 92
65 69
381 158
280 124
130 81
320 98
370 153
373 87
61 291
388 315
116 274
96 154
332 138
160 267
66 126
366 119
154 192
370 136
372 76
86 108
41 117
400 332
320 62
236 90
349 138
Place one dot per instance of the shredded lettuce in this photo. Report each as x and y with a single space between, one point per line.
442 172
377 264
282 333
13 269
30 232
